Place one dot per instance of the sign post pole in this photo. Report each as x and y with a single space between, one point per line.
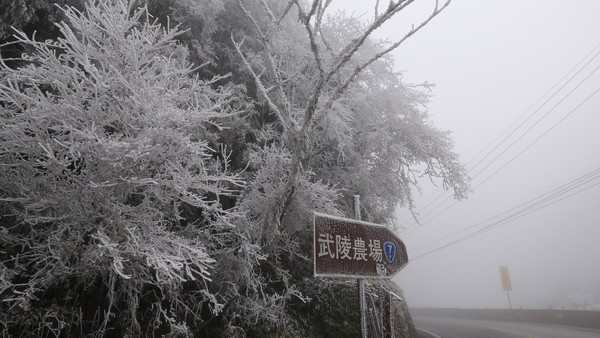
361 281
351 248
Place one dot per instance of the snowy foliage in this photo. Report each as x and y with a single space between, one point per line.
344 113
37 13
103 150
157 180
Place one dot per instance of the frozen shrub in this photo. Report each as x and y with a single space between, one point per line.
103 149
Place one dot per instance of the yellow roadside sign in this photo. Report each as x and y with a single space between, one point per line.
505 278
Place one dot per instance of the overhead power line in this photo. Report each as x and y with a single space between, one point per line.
544 134
505 139
553 196
538 121
542 105
498 224
514 157
574 183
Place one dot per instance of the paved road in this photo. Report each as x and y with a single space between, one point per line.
439 327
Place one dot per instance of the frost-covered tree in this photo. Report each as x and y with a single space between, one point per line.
323 78
334 120
112 191
162 181
26 14
376 140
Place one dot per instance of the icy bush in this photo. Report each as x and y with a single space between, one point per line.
103 150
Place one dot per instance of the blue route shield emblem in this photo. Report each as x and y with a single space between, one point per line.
389 249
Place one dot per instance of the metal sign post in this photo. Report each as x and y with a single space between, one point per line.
361 281
351 248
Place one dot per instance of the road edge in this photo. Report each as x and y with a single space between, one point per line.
428 333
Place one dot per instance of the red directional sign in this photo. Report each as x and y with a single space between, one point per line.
350 248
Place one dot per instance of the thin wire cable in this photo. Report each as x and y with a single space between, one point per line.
550 200
543 117
522 151
501 222
540 107
510 126
540 137
534 104
595 174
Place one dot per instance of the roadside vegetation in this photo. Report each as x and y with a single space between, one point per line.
160 162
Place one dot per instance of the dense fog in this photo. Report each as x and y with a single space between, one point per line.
502 72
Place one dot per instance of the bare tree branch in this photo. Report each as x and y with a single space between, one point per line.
311 36
377 56
283 117
318 25
283 112
285 12
346 54
299 138
276 21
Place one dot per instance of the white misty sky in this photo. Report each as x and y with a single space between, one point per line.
491 61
